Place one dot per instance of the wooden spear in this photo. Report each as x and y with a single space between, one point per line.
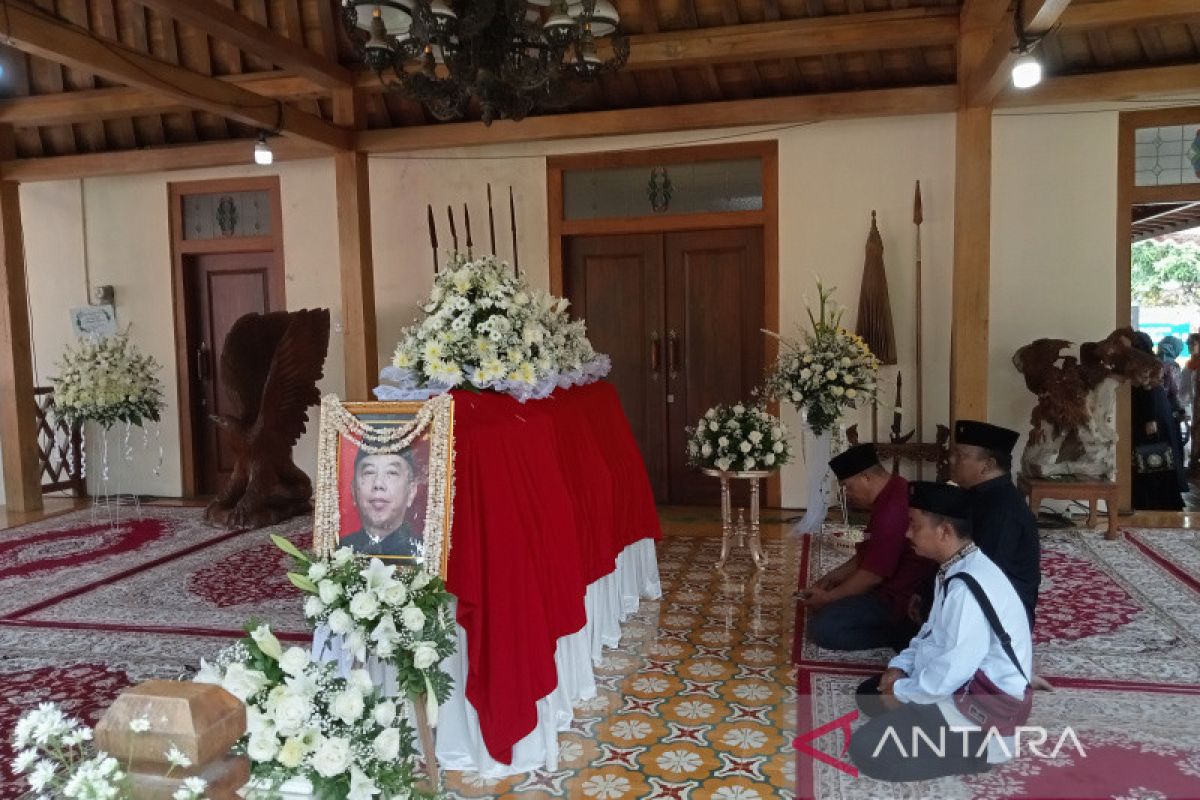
433 238
491 220
453 230
918 218
467 222
512 214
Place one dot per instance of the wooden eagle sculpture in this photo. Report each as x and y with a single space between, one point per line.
270 365
1073 426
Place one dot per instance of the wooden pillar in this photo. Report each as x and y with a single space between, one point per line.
354 247
969 355
18 432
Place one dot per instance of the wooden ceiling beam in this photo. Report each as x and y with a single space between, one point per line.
1122 13
231 152
982 13
121 102
697 116
1110 86
795 38
43 35
992 73
249 36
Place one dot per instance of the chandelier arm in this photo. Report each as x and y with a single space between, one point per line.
477 18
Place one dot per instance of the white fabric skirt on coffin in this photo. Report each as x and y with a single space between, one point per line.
609 602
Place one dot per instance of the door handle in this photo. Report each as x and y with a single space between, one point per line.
203 368
672 354
655 354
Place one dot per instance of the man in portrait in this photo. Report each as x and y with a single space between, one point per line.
384 488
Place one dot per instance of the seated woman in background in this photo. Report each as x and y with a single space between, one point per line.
1188 396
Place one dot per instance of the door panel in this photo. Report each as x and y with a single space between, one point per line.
681 316
714 283
223 289
614 283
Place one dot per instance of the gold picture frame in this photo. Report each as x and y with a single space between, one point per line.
385 481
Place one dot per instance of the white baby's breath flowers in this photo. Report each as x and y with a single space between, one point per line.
176 757
139 724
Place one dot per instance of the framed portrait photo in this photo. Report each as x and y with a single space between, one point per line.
385 481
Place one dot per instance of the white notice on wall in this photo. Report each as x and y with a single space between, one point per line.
94 320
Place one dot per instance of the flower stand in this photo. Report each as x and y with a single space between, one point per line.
729 529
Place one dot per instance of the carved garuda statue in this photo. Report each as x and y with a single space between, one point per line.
270 366
1073 426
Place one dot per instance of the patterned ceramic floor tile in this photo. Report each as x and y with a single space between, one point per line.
698 702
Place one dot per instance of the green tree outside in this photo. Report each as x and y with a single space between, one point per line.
1166 273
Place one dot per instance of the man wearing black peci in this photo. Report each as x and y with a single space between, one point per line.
1003 526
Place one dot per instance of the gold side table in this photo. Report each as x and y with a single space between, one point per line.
730 529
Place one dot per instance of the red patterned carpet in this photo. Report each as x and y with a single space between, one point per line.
78 596
87 609
1118 634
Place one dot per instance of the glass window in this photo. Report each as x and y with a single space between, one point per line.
225 215
1167 156
696 188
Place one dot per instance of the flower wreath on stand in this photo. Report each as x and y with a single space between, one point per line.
485 328
109 381
825 373
738 439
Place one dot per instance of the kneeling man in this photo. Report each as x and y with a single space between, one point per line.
863 604
977 631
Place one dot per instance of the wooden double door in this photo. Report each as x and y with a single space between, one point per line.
681 316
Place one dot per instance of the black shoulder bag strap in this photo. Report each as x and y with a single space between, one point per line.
990 612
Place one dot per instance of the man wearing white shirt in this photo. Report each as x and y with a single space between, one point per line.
913 703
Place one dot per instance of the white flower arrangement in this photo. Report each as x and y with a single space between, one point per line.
738 439
825 372
57 759
304 721
399 616
485 328
108 380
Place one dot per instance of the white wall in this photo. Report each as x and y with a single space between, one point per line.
1053 208
125 224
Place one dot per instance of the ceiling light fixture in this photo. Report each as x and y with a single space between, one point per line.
1026 70
501 58
263 155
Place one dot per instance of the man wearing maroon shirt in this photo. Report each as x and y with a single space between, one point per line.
864 603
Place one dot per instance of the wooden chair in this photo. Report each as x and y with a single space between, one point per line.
936 452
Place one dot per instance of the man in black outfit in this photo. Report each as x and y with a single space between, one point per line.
1004 527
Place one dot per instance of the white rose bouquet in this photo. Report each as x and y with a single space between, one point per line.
108 380
484 328
827 371
738 438
57 759
400 616
303 721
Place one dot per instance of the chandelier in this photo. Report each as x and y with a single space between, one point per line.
509 56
